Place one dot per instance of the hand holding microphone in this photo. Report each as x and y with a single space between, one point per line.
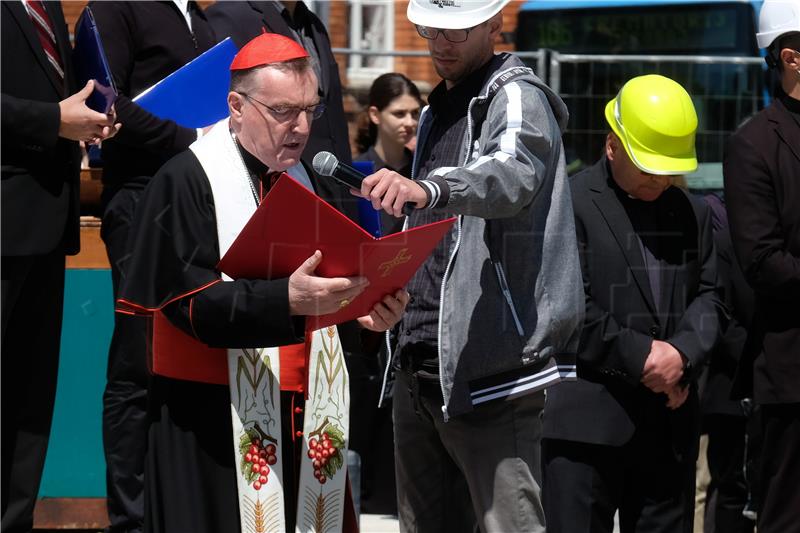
386 189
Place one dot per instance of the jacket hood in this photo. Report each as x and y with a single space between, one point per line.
506 67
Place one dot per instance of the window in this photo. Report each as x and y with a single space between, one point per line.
371 28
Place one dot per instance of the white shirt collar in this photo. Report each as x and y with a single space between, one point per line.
183 7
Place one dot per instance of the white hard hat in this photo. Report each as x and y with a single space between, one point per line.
453 14
777 18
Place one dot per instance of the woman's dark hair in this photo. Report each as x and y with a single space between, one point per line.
385 88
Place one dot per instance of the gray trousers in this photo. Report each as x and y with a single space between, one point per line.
479 471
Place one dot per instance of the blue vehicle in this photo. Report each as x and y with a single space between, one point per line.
594 46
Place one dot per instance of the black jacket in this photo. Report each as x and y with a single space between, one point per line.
608 403
762 191
243 21
739 298
145 42
40 170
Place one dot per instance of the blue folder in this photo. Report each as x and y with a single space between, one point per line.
368 217
89 60
195 95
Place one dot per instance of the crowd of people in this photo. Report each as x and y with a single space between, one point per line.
550 366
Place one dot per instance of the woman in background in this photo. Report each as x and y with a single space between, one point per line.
387 127
389 123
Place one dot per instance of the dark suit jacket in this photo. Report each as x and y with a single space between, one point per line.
243 21
40 170
608 403
739 300
145 42
762 190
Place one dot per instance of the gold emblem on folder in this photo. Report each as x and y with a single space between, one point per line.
387 267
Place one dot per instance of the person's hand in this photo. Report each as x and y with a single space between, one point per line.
676 396
385 314
108 131
663 367
389 191
311 295
80 123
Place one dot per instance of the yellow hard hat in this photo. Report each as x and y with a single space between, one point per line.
655 119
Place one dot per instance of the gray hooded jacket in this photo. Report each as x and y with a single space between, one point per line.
511 303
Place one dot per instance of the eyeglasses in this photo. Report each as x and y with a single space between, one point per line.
454 36
286 113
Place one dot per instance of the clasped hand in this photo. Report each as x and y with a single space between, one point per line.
662 371
80 123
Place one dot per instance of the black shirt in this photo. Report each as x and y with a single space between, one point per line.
644 217
442 148
791 104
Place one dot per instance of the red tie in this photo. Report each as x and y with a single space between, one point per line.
44 28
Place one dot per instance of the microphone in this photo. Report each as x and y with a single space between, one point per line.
327 164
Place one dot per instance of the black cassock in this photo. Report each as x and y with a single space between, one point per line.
190 469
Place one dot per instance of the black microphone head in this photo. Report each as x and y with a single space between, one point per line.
325 163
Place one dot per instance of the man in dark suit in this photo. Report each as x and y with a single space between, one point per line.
625 435
144 42
762 188
41 125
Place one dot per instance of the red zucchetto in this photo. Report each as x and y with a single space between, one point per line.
265 49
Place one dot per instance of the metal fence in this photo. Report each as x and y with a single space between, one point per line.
726 91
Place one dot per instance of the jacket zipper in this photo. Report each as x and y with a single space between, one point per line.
445 415
387 336
501 277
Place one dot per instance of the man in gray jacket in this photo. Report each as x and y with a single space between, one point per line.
496 310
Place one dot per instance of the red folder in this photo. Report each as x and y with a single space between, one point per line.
292 222
285 230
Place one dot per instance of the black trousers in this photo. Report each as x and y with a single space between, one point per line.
372 436
32 308
780 469
726 461
125 419
585 484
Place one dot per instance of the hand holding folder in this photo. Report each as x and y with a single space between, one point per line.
293 222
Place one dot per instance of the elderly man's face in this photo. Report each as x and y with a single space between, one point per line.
634 181
272 118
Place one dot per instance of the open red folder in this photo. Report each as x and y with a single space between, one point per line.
292 222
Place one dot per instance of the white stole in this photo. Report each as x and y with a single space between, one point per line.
254 377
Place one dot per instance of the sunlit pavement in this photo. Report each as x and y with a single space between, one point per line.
379 523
